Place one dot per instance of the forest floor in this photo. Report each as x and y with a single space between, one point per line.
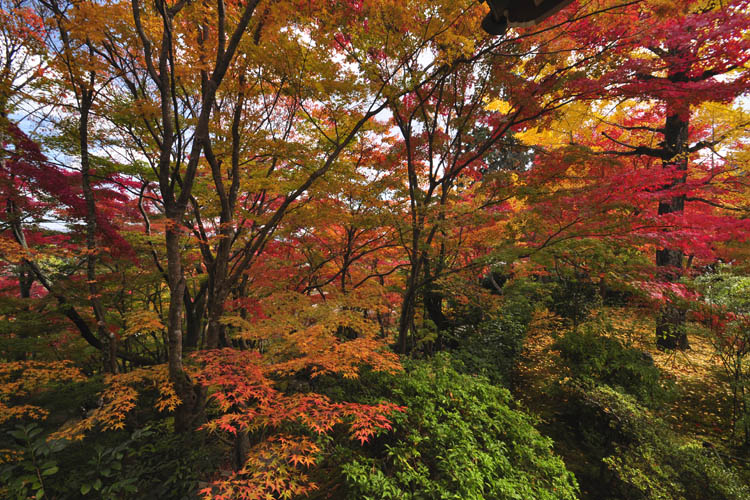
700 408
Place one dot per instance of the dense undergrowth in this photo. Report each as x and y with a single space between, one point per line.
348 249
523 404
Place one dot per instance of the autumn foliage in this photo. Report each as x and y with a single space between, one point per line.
221 221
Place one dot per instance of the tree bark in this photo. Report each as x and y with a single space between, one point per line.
108 339
670 324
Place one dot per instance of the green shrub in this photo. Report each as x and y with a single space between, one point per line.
148 463
34 465
169 466
592 357
642 458
460 438
573 298
491 349
724 313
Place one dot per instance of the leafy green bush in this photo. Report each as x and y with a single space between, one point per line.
573 298
148 463
169 466
35 463
491 348
592 357
724 313
103 476
460 438
724 288
642 458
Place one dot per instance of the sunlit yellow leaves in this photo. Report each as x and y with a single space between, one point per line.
142 321
19 379
576 125
11 251
90 20
501 106
669 8
727 126
301 333
539 137
272 471
120 397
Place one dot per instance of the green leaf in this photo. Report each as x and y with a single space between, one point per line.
20 435
50 471
85 488
98 484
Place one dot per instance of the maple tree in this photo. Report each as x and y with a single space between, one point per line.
682 63
692 63
218 216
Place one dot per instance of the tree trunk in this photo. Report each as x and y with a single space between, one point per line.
433 301
192 395
194 311
25 280
108 339
406 320
670 324
433 298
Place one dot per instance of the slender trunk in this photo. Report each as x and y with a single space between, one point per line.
215 335
192 396
434 306
408 308
108 339
25 273
218 269
219 280
194 311
433 299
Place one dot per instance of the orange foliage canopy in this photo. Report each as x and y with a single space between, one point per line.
248 402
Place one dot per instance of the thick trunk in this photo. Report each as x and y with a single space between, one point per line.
405 324
433 301
218 283
670 328
240 449
670 325
433 298
215 335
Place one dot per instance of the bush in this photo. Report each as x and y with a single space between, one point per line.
170 466
573 298
458 439
148 463
724 314
29 467
643 458
491 348
592 357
